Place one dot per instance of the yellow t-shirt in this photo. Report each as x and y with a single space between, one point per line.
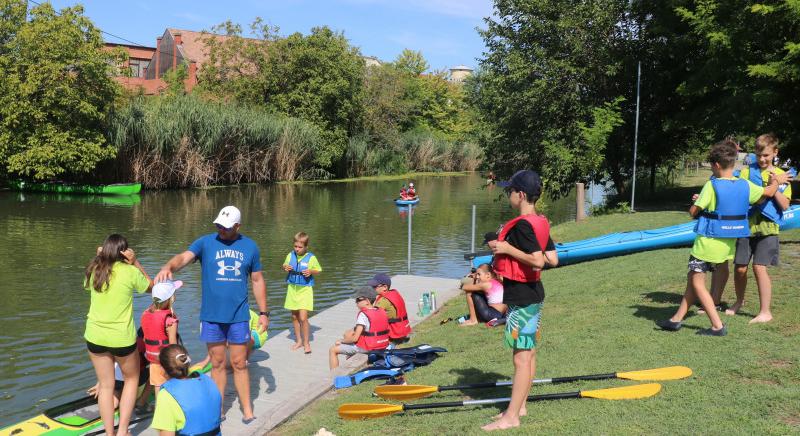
386 305
110 319
168 415
759 225
717 250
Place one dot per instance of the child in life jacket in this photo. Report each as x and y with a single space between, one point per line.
403 193
411 193
370 333
721 210
301 266
187 404
484 297
160 326
393 303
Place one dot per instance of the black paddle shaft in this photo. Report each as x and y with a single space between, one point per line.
542 397
508 383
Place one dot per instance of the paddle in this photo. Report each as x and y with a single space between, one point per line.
368 410
410 392
140 419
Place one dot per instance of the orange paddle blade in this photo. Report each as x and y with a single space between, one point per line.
367 410
405 392
668 373
624 393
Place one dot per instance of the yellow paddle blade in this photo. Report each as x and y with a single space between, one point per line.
368 410
668 373
404 392
624 393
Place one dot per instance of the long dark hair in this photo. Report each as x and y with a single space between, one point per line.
98 272
175 361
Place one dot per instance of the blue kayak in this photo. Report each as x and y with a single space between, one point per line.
400 202
618 244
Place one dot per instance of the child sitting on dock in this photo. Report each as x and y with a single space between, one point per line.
301 266
484 297
721 209
370 333
393 303
160 326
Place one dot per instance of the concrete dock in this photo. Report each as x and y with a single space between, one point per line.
284 381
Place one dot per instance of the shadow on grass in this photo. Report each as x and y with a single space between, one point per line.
475 375
663 297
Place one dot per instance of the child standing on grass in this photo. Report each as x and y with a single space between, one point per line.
765 218
160 327
721 209
302 266
522 248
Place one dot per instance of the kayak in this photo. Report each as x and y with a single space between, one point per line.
400 202
67 188
73 418
618 244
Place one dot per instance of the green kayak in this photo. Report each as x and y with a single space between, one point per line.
67 188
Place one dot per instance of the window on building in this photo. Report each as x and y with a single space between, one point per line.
138 67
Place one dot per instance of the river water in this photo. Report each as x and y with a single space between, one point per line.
46 240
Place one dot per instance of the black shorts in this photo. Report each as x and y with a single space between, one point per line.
114 351
763 250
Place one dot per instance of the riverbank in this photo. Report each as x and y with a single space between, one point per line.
599 318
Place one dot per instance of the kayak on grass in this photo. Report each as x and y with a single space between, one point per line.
68 188
401 202
618 244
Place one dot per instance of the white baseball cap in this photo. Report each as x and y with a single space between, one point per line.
228 216
163 291
411 185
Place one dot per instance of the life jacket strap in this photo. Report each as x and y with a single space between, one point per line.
715 216
380 333
396 320
153 342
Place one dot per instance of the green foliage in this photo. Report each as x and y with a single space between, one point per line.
411 62
607 209
175 79
55 92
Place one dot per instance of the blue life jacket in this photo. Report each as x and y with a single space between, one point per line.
769 209
295 276
200 402
729 220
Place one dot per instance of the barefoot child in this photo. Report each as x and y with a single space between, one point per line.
721 209
302 266
393 303
484 297
523 247
370 333
765 218
187 405
160 327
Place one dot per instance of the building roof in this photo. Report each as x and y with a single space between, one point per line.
461 67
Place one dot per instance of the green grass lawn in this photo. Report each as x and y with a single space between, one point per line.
598 318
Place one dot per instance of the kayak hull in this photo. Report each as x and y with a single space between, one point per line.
622 243
406 202
115 189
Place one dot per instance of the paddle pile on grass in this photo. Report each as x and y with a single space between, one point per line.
407 392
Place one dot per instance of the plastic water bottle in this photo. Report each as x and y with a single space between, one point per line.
426 303
433 301
420 306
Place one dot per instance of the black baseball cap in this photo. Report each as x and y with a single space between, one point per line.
380 279
527 181
490 236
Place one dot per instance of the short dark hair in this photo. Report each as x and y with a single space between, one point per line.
724 153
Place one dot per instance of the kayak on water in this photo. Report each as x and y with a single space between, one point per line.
401 202
618 244
67 188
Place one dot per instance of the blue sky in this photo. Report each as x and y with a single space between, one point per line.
444 30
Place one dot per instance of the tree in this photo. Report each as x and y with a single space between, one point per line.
55 92
411 62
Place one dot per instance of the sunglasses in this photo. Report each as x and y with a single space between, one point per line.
360 299
508 190
221 227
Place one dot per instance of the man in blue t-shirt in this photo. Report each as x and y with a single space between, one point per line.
227 259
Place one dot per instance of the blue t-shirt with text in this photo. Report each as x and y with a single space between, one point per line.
226 268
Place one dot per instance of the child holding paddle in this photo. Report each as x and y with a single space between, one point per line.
522 248
721 209
301 266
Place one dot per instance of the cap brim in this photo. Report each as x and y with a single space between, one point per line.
228 224
503 184
177 284
372 283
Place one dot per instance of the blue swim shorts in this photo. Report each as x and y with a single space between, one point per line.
232 333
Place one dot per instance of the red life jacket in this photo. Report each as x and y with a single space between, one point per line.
511 268
377 337
154 326
398 327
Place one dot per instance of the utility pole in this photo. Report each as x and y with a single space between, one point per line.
636 135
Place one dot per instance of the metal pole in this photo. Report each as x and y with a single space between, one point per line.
408 269
636 134
472 241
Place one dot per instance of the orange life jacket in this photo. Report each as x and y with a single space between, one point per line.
377 337
399 327
154 326
509 267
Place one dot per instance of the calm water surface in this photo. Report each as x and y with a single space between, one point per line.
46 240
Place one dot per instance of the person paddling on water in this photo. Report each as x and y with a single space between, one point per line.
111 278
411 193
522 248
187 404
227 260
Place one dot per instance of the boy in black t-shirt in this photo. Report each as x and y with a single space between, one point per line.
523 247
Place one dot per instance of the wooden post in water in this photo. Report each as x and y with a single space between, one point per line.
580 200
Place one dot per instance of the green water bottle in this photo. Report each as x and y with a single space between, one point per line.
426 303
